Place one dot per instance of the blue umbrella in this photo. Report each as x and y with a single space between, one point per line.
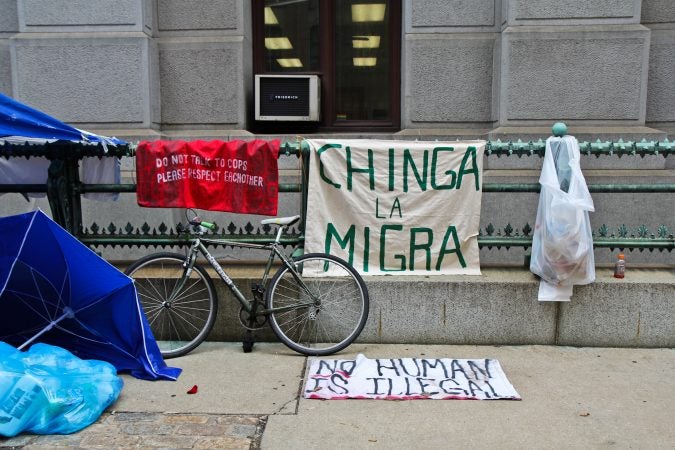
54 289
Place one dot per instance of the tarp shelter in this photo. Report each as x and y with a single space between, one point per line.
21 124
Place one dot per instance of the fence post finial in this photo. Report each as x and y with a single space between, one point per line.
559 129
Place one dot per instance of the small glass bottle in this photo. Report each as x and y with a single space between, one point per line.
620 266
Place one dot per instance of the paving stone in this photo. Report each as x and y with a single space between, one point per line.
202 429
100 427
109 441
244 430
243 420
115 430
185 418
144 428
169 441
16 441
222 442
58 440
134 417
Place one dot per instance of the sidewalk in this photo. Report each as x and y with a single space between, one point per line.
571 398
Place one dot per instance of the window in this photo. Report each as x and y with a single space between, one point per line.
354 47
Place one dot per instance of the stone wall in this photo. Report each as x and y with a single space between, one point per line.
205 60
147 69
451 57
129 65
181 68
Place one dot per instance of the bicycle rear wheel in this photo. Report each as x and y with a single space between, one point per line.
181 315
325 306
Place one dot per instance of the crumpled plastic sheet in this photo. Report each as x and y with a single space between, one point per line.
562 241
48 390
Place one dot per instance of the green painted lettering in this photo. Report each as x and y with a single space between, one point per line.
348 240
470 153
370 170
322 174
377 209
434 164
451 232
366 249
395 206
424 246
409 162
391 169
383 248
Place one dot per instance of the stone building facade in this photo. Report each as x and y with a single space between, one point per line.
182 67
151 69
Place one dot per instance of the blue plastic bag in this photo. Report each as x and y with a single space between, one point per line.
48 390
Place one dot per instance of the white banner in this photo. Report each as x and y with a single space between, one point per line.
396 207
408 379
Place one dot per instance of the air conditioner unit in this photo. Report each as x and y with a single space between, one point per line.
287 97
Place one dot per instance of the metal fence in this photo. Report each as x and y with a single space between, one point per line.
64 190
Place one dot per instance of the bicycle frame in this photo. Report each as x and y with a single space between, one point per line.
198 247
315 303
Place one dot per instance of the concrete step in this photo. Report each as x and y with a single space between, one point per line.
500 307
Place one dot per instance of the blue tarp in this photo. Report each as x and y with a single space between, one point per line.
54 289
20 123
17 119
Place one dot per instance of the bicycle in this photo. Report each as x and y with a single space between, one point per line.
317 304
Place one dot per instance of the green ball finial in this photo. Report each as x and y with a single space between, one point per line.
559 129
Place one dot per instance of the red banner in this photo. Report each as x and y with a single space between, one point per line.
235 176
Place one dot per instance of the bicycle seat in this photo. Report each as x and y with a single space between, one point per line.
281 220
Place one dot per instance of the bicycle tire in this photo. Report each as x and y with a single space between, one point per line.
332 323
181 324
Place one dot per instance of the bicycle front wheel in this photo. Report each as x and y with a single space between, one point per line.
181 311
321 308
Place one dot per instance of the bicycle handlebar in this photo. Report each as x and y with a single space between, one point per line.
195 221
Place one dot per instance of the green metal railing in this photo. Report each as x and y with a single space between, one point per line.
64 190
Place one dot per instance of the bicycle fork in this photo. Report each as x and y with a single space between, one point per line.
187 271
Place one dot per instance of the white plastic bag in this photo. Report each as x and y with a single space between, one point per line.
562 243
